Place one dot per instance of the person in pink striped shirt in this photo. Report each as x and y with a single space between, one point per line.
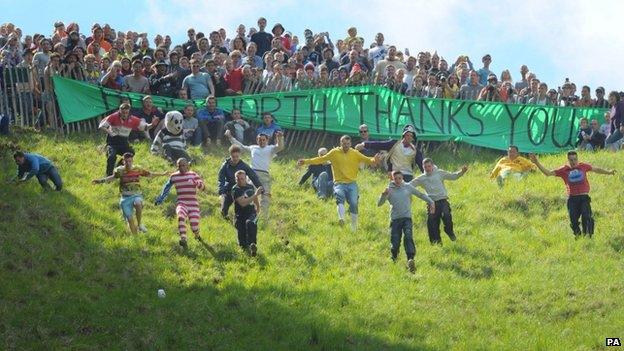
186 183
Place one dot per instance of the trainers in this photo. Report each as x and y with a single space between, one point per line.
142 228
199 238
341 222
411 265
183 243
253 250
452 237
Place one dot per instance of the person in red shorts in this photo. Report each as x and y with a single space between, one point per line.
574 175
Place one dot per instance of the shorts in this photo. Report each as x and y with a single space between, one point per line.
127 204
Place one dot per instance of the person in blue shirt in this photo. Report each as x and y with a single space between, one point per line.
33 165
211 120
268 127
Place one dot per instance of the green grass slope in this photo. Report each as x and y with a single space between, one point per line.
72 277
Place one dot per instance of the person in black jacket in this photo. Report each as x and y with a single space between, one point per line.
322 177
227 178
161 83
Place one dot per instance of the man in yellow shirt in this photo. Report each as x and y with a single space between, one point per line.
511 165
345 163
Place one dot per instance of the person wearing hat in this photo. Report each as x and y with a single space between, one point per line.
403 155
566 98
553 99
277 31
490 91
484 72
161 83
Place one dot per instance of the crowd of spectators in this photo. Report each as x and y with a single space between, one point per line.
260 60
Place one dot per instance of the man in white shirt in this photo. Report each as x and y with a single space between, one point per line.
261 156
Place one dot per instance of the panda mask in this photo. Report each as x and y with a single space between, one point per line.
173 122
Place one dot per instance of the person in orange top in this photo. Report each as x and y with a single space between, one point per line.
98 37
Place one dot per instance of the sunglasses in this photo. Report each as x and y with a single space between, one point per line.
363 131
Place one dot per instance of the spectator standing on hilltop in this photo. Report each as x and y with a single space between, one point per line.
485 72
136 83
399 195
34 165
471 90
433 183
574 175
198 84
345 163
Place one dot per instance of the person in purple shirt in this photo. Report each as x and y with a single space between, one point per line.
268 127
33 165
211 120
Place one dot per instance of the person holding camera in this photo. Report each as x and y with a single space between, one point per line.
490 91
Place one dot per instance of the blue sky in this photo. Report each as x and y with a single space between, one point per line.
580 40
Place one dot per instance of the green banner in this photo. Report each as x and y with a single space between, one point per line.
341 110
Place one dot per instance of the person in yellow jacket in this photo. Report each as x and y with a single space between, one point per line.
345 163
511 165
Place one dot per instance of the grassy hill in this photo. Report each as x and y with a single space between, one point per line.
74 278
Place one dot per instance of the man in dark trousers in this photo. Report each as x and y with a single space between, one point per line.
433 183
399 195
33 165
574 175
227 178
246 208
117 127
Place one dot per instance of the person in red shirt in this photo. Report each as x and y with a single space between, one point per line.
574 175
234 78
117 127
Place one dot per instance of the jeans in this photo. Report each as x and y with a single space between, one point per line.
212 128
402 227
614 141
111 153
53 175
247 230
580 206
348 192
196 138
323 185
443 212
